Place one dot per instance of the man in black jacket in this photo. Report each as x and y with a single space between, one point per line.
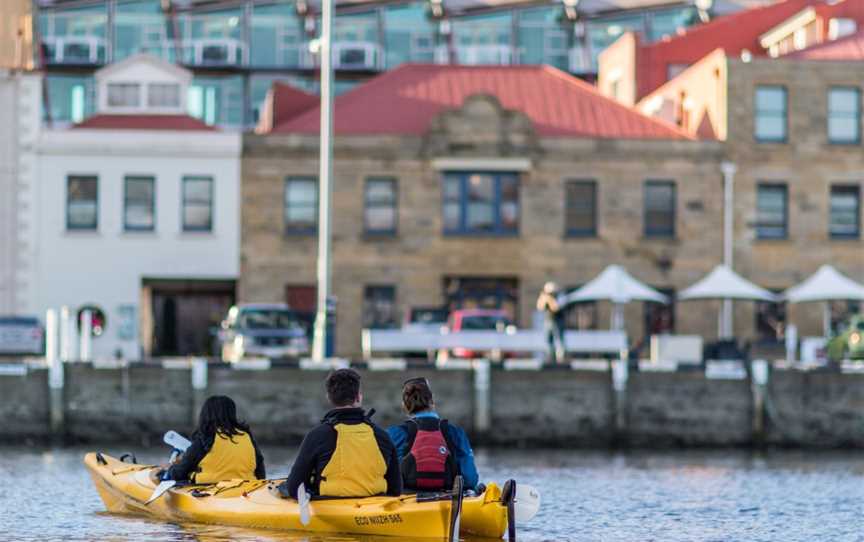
346 455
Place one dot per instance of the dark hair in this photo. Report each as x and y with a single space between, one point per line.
416 395
343 387
219 414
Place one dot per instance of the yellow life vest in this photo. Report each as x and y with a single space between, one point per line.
357 467
230 458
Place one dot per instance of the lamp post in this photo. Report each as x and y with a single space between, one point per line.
728 169
325 182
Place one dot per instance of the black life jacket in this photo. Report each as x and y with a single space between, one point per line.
429 464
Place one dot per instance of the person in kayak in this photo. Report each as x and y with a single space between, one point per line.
346 455
222 448
432 451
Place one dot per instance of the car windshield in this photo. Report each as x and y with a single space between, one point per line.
267 319
485 321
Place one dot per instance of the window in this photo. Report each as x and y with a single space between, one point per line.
770 321
659 209
380 212
139 203
163 95
770 114
844 115
481 203
660 317
197 204
124 95
82 202
379 307
772 211
580 208
845 212
301 205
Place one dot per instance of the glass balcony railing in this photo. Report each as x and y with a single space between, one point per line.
475 55
74 50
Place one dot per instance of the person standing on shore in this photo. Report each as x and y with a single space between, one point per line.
553 320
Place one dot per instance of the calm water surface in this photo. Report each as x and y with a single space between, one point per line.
664 496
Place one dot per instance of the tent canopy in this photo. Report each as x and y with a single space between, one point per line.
723 283
826 284
615 284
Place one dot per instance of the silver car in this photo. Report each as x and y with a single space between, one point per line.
270 330
21 335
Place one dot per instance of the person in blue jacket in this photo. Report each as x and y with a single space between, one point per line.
431 451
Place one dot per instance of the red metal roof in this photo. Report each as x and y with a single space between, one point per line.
288 102
144 122
732 33
406 99
848 48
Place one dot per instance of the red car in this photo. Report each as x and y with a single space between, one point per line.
477 320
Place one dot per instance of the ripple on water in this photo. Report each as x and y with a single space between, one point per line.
609 497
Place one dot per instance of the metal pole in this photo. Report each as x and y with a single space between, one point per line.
86 335
728 169
325 182
65 336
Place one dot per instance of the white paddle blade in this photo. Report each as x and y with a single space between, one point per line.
303 501
527 502
160 490
176 441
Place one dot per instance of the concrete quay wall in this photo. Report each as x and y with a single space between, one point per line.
555 407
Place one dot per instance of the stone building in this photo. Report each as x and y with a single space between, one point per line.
791 126
472 186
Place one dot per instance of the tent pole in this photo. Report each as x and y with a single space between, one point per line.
826 319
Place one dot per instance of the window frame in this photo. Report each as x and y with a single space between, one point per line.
773 185
184 200
577 232
841 187
393 204
857 115
463 230
367 289
300 231
785 114
140 95
69 226
649 233
126 226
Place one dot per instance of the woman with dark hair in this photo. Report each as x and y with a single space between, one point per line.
222 448
432 451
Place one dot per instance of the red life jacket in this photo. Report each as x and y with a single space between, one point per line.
429 465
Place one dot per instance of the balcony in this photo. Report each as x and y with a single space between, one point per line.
476 55
214 52
74 50
358 55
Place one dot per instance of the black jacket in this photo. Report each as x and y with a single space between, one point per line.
320 443
193 455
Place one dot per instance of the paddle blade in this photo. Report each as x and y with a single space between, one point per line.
527 502
160 490
303 501
456 508
176 441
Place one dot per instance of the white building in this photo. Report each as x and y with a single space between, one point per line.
20 98
138 215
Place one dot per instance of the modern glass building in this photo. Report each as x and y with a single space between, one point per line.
237 48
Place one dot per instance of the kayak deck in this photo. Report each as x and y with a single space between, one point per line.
125 487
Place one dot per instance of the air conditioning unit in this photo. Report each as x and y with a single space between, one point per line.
838 28
216 52
357 55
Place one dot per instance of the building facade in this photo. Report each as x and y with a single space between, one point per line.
478 202
236 49
136 216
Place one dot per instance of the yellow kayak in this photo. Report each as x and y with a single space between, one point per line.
126 487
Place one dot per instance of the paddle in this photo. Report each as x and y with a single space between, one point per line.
160 490
456 508
303 499
526 502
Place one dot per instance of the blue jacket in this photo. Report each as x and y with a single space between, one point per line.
462 454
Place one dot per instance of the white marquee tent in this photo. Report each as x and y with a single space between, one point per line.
616 285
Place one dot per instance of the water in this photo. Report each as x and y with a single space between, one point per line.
664 496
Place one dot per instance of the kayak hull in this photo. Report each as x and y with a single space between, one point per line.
124 488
